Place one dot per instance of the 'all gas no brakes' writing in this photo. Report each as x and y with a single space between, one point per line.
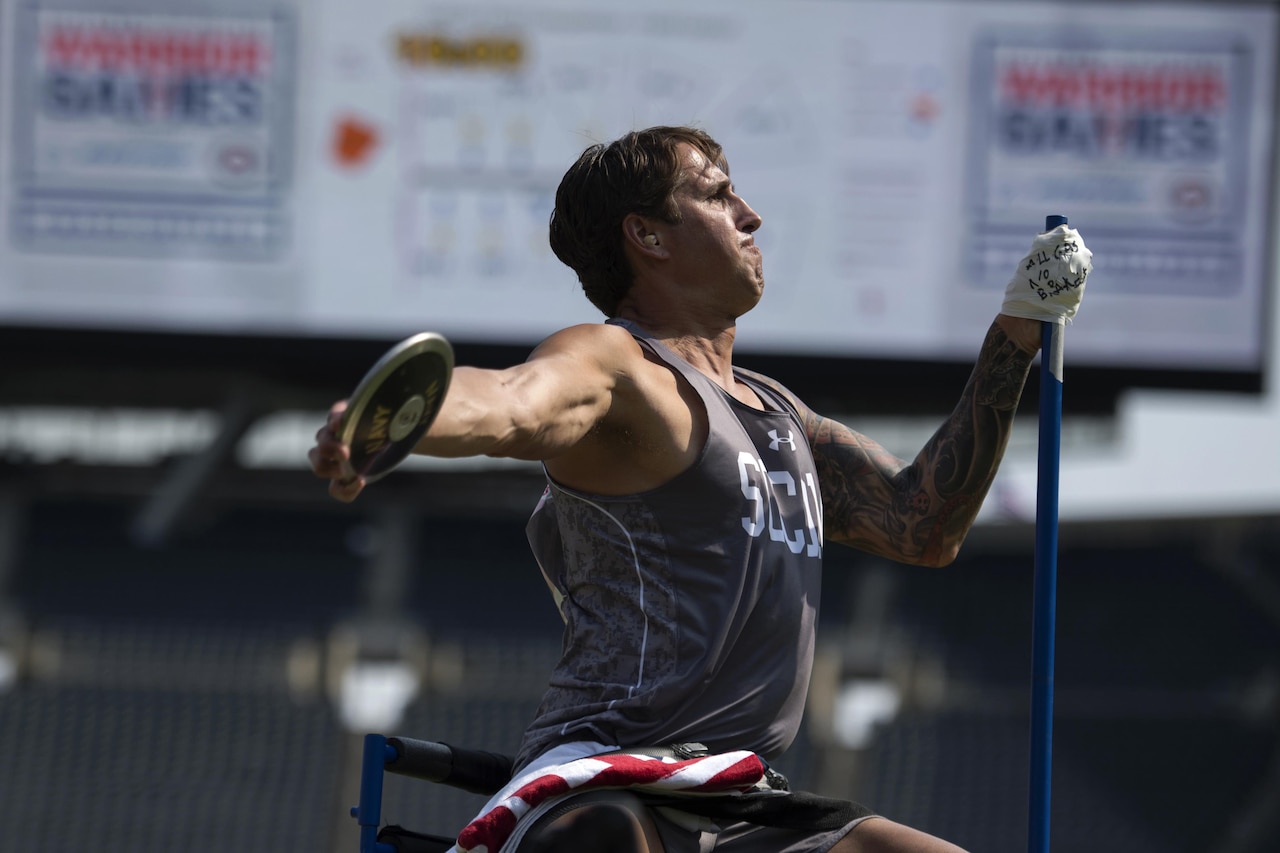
1041 279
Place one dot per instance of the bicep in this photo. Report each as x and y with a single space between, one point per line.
556 398
861 484
877 502
534 410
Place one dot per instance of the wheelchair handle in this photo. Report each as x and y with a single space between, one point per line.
471 770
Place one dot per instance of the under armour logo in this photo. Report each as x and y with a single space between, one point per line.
777 442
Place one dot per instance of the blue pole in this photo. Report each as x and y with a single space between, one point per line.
1046 578
368 813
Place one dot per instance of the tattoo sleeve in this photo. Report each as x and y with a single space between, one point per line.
920 512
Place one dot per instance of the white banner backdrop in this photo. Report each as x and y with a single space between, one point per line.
371 170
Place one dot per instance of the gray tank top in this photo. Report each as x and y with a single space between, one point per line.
689 610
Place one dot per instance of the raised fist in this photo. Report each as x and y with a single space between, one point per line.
1049 282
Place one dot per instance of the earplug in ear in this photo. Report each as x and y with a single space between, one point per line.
651 239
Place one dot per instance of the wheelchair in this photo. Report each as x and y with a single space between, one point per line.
767 799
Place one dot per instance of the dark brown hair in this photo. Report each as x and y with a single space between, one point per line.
637 173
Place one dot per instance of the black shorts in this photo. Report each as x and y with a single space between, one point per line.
743 837
685 832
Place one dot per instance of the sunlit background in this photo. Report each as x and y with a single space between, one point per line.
215 216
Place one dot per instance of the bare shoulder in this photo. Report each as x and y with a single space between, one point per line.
598 345
589 333
651 428
807 415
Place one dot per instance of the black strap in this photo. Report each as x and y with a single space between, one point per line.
793 810
407 841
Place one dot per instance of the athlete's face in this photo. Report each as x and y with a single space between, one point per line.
712 245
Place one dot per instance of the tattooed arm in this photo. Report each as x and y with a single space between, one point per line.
920 512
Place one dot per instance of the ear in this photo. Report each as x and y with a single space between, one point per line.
639 233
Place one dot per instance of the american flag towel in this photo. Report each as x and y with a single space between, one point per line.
727 773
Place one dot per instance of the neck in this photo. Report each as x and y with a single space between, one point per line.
707 348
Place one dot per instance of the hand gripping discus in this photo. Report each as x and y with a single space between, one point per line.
1044 604
395 404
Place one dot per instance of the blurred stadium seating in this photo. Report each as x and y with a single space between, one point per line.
185 697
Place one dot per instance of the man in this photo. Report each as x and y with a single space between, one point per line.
688 501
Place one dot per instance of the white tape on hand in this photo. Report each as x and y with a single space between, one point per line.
1049 282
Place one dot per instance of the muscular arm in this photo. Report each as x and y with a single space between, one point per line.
920 512
535 410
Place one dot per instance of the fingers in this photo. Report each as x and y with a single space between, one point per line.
330 459
336 411
346 490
